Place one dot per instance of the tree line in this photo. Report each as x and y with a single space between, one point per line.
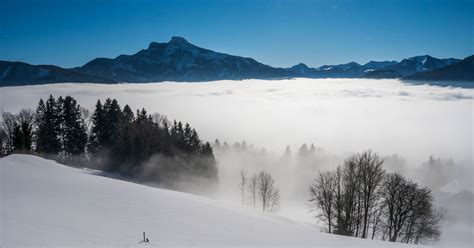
361 199
117 140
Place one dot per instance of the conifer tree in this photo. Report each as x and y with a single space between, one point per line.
47 128
98 129
73 129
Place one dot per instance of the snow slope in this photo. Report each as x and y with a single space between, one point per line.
47 204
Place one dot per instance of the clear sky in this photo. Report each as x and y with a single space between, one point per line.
277 32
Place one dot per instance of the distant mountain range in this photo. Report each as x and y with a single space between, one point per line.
462 71
178 60
375 69
18 73
349 70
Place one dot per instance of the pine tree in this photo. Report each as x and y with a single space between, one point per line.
73 129
128 116
47 125
98 129
113 115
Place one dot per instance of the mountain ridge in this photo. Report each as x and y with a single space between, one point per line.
181 61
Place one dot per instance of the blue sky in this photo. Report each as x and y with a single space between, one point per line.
278 32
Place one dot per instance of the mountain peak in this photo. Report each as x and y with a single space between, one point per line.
355 64
154 45
176 40
300 65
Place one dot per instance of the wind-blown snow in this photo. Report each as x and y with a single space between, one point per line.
45 204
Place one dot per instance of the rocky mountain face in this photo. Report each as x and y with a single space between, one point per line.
458 72
417 64
179 60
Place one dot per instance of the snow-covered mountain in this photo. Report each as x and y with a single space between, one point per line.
179 60
459 72
46 204
416 64
376 69
348 70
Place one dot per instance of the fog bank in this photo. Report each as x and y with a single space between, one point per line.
340 115
405 124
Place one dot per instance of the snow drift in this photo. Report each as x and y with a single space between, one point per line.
44 203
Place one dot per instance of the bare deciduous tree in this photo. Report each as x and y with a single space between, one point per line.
359 197
26 116
267 192
322 196
243 183
86 116
252 187
371 175
3 137
9 122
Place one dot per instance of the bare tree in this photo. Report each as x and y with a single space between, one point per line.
429 225
9 122
322 196
399 196
267 192
252 187
24 122
3 137
347 222
243 183
376 218
359 197
371 175
85 114
26 116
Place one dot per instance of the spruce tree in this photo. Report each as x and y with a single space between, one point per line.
128 116
98 129
73 129
47 125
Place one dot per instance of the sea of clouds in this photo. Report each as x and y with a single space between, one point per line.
404 123
339 115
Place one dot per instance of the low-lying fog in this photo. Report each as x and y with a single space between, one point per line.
404 123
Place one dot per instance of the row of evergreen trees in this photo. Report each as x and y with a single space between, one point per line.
60 129
118 140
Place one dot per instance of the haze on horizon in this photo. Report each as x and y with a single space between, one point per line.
278 33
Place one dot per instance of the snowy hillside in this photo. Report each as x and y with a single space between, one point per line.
47 204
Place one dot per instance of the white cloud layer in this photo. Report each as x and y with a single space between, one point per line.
340 115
